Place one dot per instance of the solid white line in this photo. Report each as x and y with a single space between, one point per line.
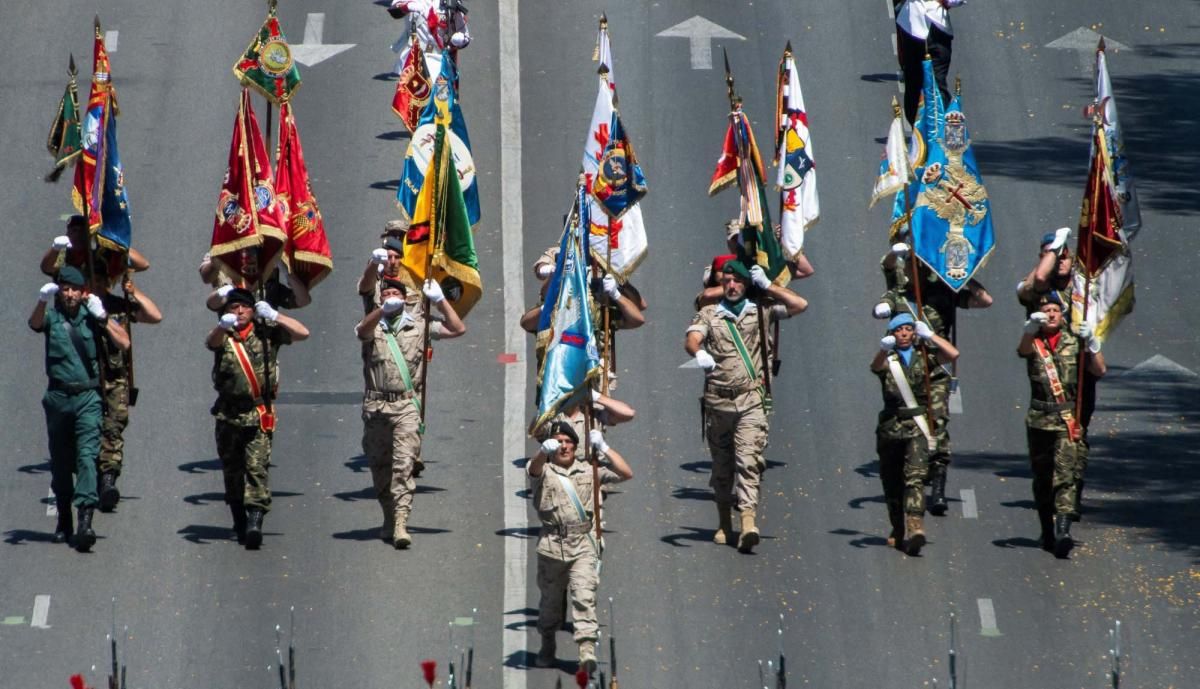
987 617
516 515
52 507
110 41
314 28
41 612
970 511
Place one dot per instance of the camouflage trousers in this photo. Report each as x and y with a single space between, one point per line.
245 453
902 469
112 428
1058 464
558 577
939 458
392 444
736 441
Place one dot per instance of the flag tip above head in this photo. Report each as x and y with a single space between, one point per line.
96 23
603 20
787 49
958 85
895 107
1100 45
71 69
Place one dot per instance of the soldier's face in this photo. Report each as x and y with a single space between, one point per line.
393 262
904 336
72 295
1062 267
565 454
1054 318
389 292
243 312
733 286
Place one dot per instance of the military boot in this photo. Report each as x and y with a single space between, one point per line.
85 537
1062 536
109 495
1046 521
724 524
914 524
587 656
749 536
400 536
1075 513
65 525
545 655
937 492
896 517
254 523
238 510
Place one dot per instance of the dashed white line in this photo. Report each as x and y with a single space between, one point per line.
987 618
970 510
41 612
110 40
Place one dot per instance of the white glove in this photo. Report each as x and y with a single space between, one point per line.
1034 325
597 438
759 277
543 270
1093 344
265 311
550 446
392 305
61 242
595 396
704 360
882 311
900 249
1061 235
228 321
96 307
460 40
1084 331
379 256
434 291
923 330
224 290
888 343
611 288
47 292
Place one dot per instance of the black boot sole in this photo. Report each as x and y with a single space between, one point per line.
84 541
1063 546
747 542
109 499
938 509
913 545
253 540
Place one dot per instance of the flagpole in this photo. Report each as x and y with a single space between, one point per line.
916 281
589 452
437 207
1094 194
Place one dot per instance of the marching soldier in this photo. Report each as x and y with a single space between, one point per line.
385 262
438 24
393 352
1054 434
293 295
724 339
245 346
904 435
134 306
72 326
70 249
568 553
923 28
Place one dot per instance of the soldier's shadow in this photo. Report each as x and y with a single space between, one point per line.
686 493
23 536
869 469
864 540
372 533
200 467
39 468
205 534
689 535
857 503
358 464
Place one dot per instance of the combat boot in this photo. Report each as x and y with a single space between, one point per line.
109 495
749 536
896 517
937 492
400 536
545 655
587 656
65 525
238 510
1062 536
254 522
1046 521
1078 511
724 524
85 537
915 526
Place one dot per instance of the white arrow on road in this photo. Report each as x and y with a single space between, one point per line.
1083 40
700 33
311 51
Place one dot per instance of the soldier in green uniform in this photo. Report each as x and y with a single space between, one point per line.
568 557
393 353
904 435
938 307
133 306
725 342
1055 435
72 327
245 375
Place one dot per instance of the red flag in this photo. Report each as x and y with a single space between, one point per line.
413 88
102 104
248 231
727 164
307 250
1100 215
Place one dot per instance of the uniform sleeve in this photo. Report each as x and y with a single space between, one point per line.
778 312
699 326
608 477
436 330
278 336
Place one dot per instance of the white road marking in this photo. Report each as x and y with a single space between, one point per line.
700 33
516 515
41 612
110 41
987 618
52 506
312 50
970 511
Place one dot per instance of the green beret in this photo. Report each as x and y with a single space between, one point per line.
70 275
737 268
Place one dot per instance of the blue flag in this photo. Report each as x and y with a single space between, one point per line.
951 216
619 182
572 360
420 149
116 232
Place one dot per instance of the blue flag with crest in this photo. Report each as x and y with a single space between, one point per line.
116 231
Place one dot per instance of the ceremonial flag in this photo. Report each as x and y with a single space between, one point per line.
413 87
420 149
799 208
618 244
248 230
951 218
439 243
65 142
1105 108
895 169
267 65
619 183
307 249
99 191
1102 281
572 360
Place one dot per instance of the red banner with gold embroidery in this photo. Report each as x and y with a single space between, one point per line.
307 250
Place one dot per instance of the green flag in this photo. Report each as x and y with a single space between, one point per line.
267 66
64 141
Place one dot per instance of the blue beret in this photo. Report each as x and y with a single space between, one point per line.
899 320
1047 238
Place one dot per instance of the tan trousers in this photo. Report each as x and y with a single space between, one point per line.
392 444
736 441
578 576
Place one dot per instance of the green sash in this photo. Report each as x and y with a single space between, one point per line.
405 374
748 363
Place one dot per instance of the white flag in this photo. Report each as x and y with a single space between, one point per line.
895 170
1131 214
799 208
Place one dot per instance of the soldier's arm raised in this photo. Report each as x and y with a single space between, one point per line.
367 325
452 325
147 311
794 302
292 326
1096 364
138 262
617 464
946 352
116 333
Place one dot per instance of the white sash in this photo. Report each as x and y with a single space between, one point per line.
897 371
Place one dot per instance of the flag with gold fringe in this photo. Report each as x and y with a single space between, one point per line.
267 65
307 251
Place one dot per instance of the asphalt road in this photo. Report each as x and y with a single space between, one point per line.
194 609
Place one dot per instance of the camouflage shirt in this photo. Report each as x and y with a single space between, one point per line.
1042 414
235 402
896 419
